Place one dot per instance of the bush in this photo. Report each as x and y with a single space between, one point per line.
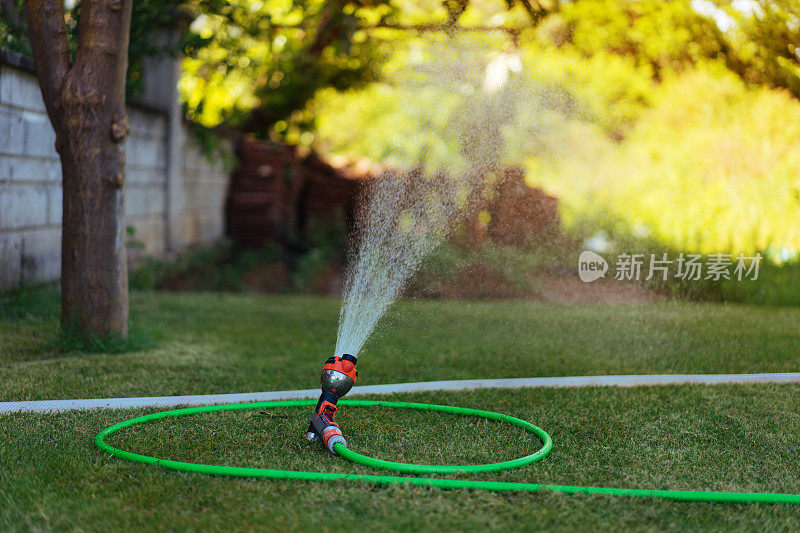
777 285
490 271
713 167
609 90
221 267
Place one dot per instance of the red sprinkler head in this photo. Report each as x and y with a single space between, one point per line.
339 374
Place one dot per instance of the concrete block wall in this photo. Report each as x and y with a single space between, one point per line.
145 171
204 194
30 183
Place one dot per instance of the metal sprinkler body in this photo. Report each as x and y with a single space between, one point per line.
338 376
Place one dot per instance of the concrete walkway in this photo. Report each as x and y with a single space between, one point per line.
467 384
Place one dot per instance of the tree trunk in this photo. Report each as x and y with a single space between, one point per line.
86 105
94 277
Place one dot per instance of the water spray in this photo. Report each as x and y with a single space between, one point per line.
403 218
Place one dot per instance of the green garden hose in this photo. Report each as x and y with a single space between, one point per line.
495 486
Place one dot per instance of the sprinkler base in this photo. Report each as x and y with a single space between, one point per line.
323 424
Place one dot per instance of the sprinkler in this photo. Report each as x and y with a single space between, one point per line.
338 376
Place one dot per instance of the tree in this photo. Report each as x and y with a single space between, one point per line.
260 63
756 40
85 100
766 40
15 26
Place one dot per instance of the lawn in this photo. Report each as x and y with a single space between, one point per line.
220 343
738 438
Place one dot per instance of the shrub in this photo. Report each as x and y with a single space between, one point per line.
713 167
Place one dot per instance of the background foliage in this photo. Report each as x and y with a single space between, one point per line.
674 122
148 19
657 124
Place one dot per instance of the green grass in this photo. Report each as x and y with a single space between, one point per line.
218 343
742 438
32 316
